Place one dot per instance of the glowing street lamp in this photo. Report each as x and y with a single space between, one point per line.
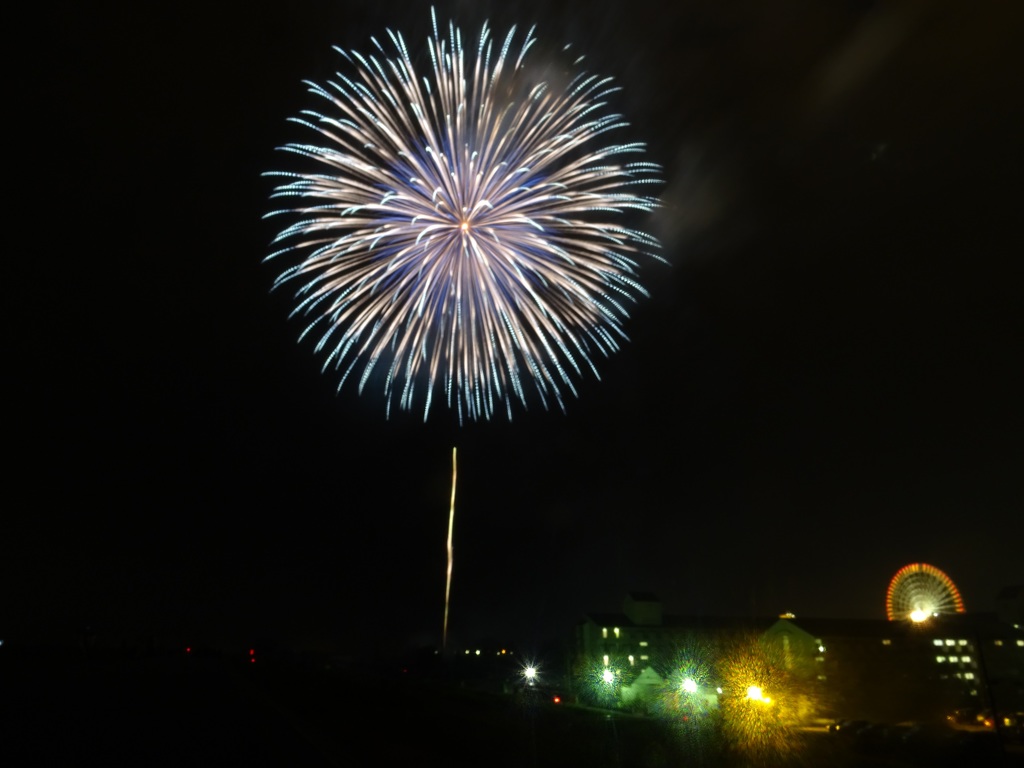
754 693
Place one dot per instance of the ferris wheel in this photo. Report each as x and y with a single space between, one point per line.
919 591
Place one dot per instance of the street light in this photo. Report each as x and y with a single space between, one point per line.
754 693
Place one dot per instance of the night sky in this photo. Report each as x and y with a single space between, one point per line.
824 385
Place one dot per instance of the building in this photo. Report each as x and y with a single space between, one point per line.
641 651
893 671
878 670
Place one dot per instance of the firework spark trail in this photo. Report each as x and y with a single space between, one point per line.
465 228
451 558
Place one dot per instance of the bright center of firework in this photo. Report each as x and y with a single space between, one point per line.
918 615
689 685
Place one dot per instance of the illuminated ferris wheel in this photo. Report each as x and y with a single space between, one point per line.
919 591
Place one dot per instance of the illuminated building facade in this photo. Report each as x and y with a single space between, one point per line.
641 645
893 671
878 670
642 635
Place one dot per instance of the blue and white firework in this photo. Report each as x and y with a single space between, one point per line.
465 229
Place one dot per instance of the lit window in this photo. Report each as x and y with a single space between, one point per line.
821 648
643 643
936 642
604 631
644 657
819 658
965 659
1020 643
974 692
999 642
606 660
887 641
939 659
953 659
822 677
951 642
616 631
968 675
631 660
961 642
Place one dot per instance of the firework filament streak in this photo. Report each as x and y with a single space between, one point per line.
464 232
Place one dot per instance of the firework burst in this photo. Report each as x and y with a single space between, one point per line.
465 229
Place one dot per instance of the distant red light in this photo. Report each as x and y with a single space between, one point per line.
189 649
557 699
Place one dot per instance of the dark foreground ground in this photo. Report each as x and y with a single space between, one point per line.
175 710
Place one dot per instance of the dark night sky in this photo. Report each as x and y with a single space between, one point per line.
824 386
